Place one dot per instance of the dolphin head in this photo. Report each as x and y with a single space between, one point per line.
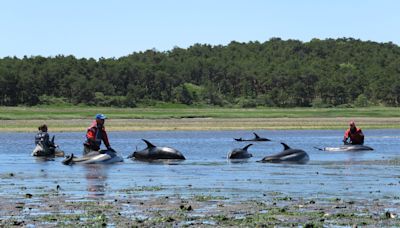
239 153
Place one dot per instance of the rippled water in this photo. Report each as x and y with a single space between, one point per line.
206 170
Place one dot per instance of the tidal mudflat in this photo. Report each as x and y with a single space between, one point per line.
54 208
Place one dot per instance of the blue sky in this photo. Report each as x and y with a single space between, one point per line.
100 28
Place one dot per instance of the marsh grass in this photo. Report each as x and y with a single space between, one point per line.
76 118
83 112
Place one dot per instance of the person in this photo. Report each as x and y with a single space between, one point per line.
355 135
42 137
95 134
44 146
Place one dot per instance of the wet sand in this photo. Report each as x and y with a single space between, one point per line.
54 208
69 125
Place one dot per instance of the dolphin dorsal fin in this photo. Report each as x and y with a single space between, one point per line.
52 140
257 137
246 147
285 147
149 144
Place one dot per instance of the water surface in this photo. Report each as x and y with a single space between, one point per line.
361 175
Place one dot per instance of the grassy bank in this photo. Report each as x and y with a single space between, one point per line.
77 112
184 118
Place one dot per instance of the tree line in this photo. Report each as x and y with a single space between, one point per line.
276 73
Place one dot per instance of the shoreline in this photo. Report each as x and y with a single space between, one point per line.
204 124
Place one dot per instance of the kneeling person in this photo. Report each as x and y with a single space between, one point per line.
95 134
43 145
355 135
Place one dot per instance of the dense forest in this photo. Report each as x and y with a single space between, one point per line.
276 73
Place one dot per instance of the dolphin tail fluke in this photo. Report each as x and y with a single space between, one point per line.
149 144
68 160
285 146
246 147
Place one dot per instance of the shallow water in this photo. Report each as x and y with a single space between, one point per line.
360 175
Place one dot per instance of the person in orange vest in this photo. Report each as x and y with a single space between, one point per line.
355 135
95 134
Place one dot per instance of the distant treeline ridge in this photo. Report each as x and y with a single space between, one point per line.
276 73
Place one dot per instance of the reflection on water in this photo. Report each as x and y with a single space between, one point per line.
44 159
96 178
370 174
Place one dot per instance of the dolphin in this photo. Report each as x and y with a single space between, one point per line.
346 147
255 139
240 153
152 152
288 155
94 157
48 151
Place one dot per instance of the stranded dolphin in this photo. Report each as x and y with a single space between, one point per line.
152 152
94 157
347 147
288 155
240 153
255 139
47 150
